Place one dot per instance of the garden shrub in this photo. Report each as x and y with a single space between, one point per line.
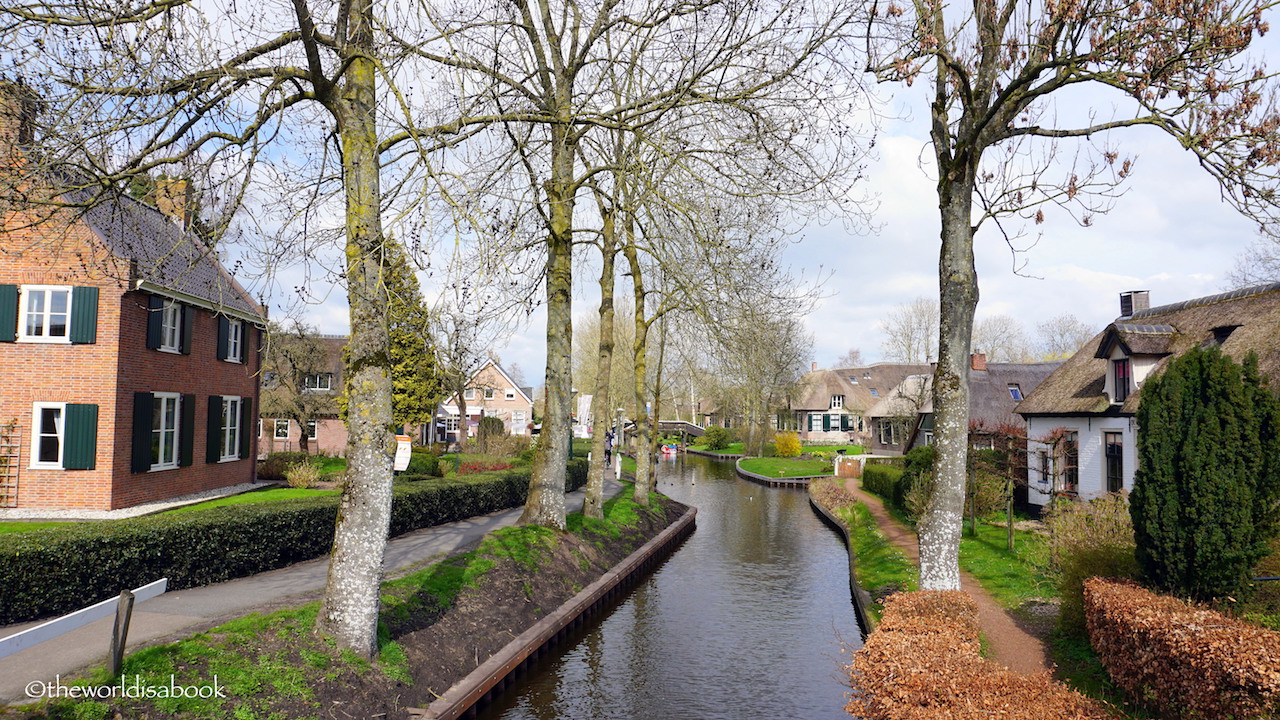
223 543
881 480
273 467
716 437
923 662
1187 661
786 445
423 463
302 476
1087 539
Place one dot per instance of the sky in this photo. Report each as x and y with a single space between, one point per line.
1169 234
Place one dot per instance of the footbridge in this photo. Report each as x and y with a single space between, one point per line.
681 426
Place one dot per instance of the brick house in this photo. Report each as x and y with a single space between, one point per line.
128 355
491 392
326 433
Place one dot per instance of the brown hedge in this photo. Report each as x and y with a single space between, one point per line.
923 663
1186 661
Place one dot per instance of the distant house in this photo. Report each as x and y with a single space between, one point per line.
322 384
904 420
490 392
128 353
1082 418
831 405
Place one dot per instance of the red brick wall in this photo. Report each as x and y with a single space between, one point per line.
107 373
331 438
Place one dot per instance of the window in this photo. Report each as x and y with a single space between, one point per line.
318 382
888 432
874 392
469 394
1071 462
281 430
311 429
853 380
46 314
46 435
511 394
1015 392
1121 380
451 423
234 351
1046 474
1114 443
837 401
164 431
229 436
517 418
488 393
269 379
171 326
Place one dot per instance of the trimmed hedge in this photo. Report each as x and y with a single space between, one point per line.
1187 661
57 570
883 480
923 662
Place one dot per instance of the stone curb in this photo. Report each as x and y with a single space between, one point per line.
861 598
499 671
793 482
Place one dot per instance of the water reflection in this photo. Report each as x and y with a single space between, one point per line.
750 618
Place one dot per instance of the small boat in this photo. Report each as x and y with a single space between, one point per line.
669 449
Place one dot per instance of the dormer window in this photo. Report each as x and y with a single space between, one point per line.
1121 375
1015 392
874 392
837 401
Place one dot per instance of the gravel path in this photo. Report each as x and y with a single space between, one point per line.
1010 645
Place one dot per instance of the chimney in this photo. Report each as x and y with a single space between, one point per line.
813 366
173 198
978 361
19 106
1133 301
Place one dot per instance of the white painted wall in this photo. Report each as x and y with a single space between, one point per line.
1093 479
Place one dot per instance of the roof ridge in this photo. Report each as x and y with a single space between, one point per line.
1207 300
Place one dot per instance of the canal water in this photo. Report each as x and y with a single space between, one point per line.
750 618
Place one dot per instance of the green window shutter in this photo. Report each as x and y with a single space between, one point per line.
246 421
187 431
213 432
8 313
224 330
80 435
845 423
826 423
143 407
188 320
155 321
84 315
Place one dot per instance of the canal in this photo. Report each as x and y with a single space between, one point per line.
750 618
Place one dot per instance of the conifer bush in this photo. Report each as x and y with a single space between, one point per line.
717 438
1208 478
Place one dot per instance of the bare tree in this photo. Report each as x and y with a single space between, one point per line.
1002 338
993 71
1061 336
851 358
911 332
1258 264
291 354
761 360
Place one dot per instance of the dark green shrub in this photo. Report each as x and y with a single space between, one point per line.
274 465
918 460
716 437
37 579
1204 495
881 480
423 463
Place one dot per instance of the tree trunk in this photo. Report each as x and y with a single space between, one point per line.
593 502
644 480
349 611
939 528
545 505
463 428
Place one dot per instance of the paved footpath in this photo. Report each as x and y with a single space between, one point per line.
1011 646
183 613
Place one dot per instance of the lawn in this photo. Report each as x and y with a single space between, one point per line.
17 527
257 496
1011 577
786 467
848 449
736 448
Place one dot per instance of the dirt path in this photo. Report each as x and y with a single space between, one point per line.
1010 645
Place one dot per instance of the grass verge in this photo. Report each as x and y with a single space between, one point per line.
1012 577
786 467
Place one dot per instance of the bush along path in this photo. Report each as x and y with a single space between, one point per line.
1009 644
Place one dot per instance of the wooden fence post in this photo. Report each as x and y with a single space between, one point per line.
120 633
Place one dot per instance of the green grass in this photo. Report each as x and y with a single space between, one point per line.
848 449
257 496
629 465
1078 667
17 527
735 448
1010 577
877 563
785 467
330 466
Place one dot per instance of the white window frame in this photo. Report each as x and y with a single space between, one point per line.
60 431
166 432
488 393
511 394
29 293
235 339
837 402
469 394
229 434
323 382
517 416
451 423
275 430
312 429
171 326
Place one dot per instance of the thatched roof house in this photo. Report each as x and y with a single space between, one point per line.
1088 405
831 405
